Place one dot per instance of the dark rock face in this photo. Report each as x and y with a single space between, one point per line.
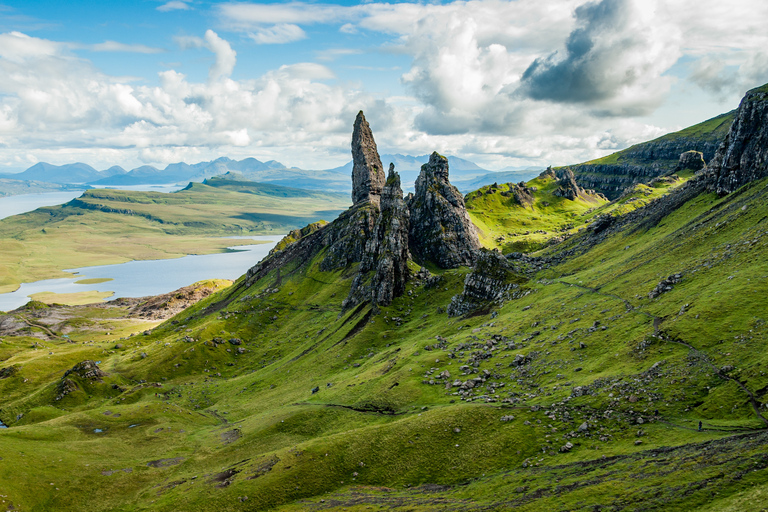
381 229
383 270
346 237
491 280
367 171
88 369
743 155
441 230
693 160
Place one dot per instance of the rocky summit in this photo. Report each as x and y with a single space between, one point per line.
381 232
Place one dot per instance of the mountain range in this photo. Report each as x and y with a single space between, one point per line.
468 174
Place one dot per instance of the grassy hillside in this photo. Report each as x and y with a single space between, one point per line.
113 226
586 394
505 224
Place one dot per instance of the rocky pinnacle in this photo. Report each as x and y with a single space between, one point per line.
367 172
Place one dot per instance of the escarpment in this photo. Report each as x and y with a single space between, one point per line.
382 231
641 163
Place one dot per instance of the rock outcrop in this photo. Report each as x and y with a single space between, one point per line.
490 281
383 271
567 185
743 155
87 369
440 231
367 171
691 160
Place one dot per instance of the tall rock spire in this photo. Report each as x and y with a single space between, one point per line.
367 172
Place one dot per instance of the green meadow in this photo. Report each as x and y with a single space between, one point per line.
270 397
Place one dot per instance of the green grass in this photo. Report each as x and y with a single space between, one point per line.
377 435
511 227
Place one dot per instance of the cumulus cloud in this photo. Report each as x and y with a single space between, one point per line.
614 60
226 57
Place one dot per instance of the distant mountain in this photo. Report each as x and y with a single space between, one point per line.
274 172
182 171
76 173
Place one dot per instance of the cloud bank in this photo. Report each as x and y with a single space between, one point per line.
507 82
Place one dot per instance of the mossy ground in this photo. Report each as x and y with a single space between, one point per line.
199 425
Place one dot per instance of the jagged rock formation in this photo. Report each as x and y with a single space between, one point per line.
568 187
743 155
490 281
643 162
381 230
386 252
346 237
692 160
367 171
441 230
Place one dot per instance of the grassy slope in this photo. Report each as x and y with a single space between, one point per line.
511 227
113 226
234 425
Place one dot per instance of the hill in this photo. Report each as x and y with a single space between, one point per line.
613 174
386 361
10 187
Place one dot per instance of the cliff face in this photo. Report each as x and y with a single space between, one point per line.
743 155
440 230
643 162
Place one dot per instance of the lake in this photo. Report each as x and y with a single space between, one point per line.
149 277
14 205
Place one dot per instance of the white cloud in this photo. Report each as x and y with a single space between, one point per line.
464 82
332 54
278 34
226 57
174 5
17 47
114 46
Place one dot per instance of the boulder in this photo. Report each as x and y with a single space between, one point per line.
691 160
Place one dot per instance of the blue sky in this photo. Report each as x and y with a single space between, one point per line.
502 83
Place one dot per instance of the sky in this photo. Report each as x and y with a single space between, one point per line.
501 83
